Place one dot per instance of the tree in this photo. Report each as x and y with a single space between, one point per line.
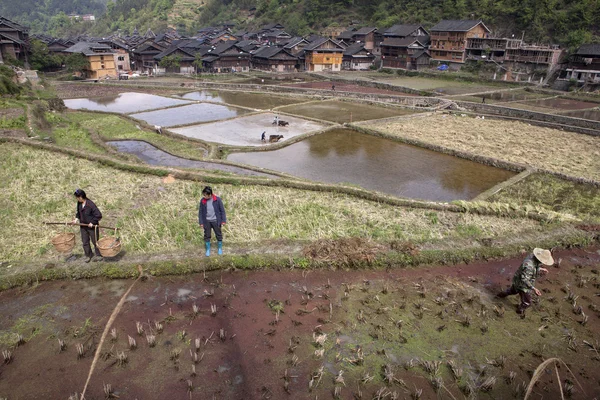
197 63
76 62
171 61
40 57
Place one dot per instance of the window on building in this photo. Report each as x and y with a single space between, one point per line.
102 58
121 58
101 66
120 67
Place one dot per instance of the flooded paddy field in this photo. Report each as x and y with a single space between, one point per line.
342 111
246 131
561 104
154 156
585 114
259 334
123 103
502 97
190 114
346 156
250 100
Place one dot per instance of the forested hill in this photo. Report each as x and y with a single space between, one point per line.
48 15
566 22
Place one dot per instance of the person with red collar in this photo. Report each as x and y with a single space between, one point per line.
211 215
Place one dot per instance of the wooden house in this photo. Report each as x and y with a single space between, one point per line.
231 58
121 50
275 59
584 65
14 41
449 39
356 57
100 57
142 56
323 54
407 53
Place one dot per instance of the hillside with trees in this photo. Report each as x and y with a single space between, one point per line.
565 22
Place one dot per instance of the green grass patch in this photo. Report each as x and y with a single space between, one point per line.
112 127
555 194
155 217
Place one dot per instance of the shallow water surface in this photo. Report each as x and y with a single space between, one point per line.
154 156
190 114
124 103
564 104
585 114
251 100
346 156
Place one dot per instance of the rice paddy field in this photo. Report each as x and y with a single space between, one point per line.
548 149
363 298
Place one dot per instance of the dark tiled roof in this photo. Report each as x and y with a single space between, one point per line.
457 25
354 48
401 30
589 50
364 31
400 42
346 35
13 24
88 48
419 53
313 45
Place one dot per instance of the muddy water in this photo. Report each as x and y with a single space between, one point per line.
343 112
345 156
124 103
251 360
250 100
585 114
190 114
564 104
154 156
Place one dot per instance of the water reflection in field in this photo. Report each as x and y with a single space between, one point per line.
346 156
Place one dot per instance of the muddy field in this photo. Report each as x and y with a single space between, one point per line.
306 334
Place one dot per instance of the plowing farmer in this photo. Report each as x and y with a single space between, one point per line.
87 213
211 215
524 279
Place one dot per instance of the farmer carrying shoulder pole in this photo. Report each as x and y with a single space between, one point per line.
211 215
524 279
88 213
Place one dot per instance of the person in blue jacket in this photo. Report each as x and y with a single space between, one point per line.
211 215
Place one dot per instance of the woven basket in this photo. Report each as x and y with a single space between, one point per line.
109 246
64 242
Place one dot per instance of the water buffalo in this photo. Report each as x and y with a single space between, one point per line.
275 138
282 123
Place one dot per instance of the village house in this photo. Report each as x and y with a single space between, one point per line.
231 58
584 65
14 41
121 50
356 58
295 45
449 39
142 56
406 53
275 59
100 57
323 54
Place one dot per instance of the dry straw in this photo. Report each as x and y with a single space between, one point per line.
537 374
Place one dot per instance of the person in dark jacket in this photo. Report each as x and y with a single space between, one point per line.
88 213
524 279
211 215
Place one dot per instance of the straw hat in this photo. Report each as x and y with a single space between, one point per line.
544 256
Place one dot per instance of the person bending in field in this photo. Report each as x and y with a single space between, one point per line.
90 215
524 279
211 215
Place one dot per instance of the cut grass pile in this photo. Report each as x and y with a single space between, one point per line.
554 194
550 149
154 217
111 127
